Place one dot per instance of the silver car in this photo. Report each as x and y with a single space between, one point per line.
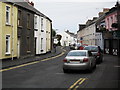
79 60
96 51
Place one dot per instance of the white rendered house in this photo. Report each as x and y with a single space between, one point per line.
40 34
68 38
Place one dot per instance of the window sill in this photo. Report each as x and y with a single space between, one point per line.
42 50
42 30
29 28
20 26
36 29
8 24
7 54
28 51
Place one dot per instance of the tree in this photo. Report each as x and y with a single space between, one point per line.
53 33
59 37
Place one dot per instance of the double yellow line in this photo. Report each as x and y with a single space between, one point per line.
76 84
2 70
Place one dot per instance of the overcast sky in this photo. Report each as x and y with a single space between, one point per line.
67 14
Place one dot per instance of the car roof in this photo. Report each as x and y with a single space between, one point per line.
91 46
78 50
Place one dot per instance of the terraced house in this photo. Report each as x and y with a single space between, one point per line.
25 30
21 35
43 27
8 30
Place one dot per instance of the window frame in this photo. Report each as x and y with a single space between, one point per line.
19 18
28 44
7 47
42 21
8 11
28 21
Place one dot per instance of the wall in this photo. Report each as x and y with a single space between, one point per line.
66 39
109 21
9 30
48 33
24 33
0 30
90 36
43 35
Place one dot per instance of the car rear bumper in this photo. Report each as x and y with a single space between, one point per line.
81 66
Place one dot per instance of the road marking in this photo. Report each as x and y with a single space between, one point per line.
75 85
19 66
82 81
1 70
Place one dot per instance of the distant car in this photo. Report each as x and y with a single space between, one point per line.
96 51
72 46
77 45
79 60
82 46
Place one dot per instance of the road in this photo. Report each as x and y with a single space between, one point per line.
49 74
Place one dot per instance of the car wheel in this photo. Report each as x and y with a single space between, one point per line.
65 70
102 59
90 69
94 66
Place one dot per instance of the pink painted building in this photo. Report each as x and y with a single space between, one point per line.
110 19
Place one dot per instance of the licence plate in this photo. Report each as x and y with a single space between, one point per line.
75 62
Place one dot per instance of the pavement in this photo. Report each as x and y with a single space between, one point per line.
15 62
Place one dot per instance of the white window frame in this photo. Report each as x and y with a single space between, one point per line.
8 11
7 51
41 43
42 23
35 22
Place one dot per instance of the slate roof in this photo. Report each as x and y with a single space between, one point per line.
71 34
26 5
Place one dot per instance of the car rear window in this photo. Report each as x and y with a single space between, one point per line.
76 54
91 48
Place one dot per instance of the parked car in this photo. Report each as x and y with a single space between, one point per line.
72 46
82 46
79 60
96 51
77 45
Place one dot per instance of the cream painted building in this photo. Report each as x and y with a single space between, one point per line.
88 35
8 30
48 35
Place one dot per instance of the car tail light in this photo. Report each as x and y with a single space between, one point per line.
85 60
65 60
98 54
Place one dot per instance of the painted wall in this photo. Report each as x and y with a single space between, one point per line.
67 39
37 33
110 19
10 29
26 34
48 35
43 36
0 30
90 36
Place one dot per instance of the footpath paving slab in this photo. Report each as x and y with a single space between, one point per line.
15 62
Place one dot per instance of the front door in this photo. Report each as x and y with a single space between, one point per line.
18 46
